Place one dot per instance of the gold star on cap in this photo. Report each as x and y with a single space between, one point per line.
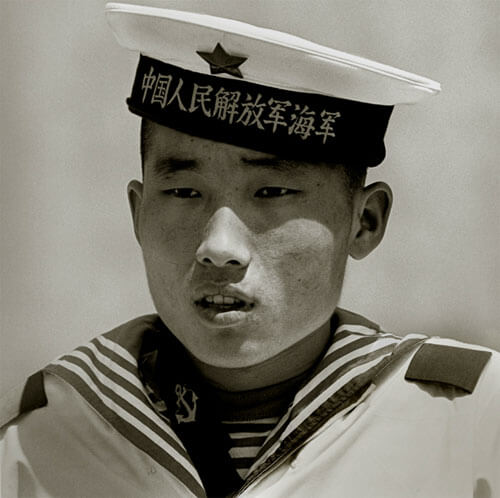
221 62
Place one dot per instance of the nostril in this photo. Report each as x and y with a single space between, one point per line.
209 261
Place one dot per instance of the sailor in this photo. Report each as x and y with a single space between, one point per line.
250 380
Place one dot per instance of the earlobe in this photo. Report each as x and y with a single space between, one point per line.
373 207
134 192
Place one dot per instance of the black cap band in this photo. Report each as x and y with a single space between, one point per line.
282 122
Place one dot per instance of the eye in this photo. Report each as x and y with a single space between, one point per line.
267 192
182 193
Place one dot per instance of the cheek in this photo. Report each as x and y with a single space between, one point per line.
306 257
166 238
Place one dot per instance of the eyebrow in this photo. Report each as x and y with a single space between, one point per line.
169 165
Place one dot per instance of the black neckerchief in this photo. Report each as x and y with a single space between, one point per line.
177 391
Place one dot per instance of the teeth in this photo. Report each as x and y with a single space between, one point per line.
220 299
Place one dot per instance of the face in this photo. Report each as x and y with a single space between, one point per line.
244 252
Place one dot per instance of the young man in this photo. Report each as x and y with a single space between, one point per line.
250 381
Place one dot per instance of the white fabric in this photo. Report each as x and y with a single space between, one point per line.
406 440
66 450
275 58
402 439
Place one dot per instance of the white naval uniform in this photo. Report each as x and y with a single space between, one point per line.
99 436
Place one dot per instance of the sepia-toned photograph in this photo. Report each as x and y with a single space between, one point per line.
250 249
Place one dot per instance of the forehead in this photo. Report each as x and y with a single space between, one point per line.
168 150
162 141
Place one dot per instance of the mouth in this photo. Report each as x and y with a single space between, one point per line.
221 303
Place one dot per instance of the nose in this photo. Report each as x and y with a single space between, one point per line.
225 241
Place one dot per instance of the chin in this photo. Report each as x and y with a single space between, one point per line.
236 355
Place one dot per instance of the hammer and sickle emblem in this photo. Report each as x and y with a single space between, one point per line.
186 404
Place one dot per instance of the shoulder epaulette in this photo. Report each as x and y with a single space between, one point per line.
24 398
458 367
33 396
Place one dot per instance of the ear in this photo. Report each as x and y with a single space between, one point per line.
372 207
134 192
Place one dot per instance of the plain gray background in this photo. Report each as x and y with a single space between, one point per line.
70 266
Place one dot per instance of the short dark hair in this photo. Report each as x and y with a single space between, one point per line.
145 139
354 174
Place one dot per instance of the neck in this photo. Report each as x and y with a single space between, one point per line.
287 364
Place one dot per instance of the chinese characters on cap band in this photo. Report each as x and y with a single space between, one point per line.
237 108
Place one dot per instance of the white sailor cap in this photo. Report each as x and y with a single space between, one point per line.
259 88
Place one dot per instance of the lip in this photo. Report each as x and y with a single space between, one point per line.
222 315
223 290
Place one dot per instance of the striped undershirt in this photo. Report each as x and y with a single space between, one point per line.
249 417
247 437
